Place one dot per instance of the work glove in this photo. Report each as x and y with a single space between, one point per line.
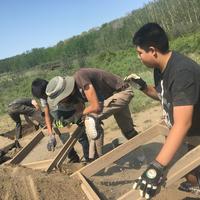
74 119
59 123
51 143
135 81
149 181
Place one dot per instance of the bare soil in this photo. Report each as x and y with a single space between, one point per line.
22 183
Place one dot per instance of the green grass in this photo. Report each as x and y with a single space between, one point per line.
122 63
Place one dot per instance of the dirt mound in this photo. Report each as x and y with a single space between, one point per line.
23 183
20 183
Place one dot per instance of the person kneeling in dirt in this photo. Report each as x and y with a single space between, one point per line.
31 111
177 87
58 114
103 93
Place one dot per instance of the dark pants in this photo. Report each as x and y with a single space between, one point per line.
16 110
83 140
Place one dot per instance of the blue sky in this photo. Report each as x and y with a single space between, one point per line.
27 24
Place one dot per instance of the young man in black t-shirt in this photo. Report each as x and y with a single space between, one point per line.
177 86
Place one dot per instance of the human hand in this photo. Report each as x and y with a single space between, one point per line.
136 81
149 181
59 123
51 143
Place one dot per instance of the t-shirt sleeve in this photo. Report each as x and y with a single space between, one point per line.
82 79
43 103
184 89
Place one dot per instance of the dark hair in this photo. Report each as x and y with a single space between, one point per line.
39 87
151 34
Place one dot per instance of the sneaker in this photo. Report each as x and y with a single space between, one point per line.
17 144
188 187
86 160
36 127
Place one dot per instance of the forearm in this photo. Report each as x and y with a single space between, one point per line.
91 109
172 144
48 124
151 92
48 120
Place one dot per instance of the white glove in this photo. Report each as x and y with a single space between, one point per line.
136 81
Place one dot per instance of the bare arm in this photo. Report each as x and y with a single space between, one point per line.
93 101
182 123
34 103
151 92
48 120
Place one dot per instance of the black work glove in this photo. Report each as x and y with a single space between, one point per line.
136 81
51 143
149 181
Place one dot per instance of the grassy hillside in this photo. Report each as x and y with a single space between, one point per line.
121 62
177 17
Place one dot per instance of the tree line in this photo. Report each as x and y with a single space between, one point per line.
177 17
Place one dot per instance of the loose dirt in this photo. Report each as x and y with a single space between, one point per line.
26 184
22 183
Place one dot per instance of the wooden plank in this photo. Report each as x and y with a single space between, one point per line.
122 150
129 195
25 151
39 164
183 166
87 189
77 133
5 143
61 156
5 149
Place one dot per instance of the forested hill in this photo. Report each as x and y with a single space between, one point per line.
177 17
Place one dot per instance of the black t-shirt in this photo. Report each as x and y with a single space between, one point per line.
179 85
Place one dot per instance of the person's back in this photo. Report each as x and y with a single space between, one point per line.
22 101
27 107
105 83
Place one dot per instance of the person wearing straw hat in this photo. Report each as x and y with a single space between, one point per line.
103 93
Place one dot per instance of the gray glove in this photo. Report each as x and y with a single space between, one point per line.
51 143
135 81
